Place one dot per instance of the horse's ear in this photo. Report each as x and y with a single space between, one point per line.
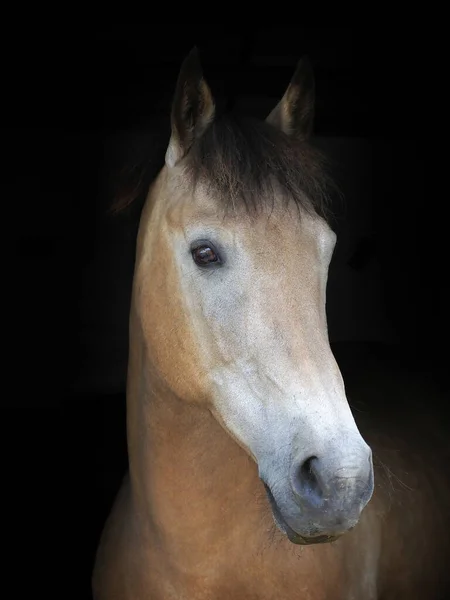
192 109
294 114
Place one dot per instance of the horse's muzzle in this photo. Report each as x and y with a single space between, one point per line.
325 498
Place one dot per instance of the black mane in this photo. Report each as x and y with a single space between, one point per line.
245 163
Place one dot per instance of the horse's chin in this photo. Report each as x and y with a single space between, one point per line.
293 536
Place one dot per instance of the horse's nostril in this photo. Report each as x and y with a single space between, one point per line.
306 471
306 484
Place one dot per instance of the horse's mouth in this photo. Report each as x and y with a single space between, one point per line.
292 535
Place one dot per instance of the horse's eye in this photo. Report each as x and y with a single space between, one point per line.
205 254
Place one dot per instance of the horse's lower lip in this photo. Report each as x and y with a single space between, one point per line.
292 535
305 541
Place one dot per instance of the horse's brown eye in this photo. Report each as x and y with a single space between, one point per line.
204 255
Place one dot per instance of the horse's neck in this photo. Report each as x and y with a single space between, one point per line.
192 484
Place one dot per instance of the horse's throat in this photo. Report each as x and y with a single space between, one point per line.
196 485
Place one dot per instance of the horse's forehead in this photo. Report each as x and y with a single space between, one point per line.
189 207
274 219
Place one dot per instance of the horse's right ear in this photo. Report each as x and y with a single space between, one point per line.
192 109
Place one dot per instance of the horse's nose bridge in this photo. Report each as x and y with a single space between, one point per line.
326 427
312 357
301 324
322 400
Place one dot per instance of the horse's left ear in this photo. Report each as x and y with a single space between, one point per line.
294 114
192 109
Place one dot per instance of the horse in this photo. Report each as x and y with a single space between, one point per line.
250 475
